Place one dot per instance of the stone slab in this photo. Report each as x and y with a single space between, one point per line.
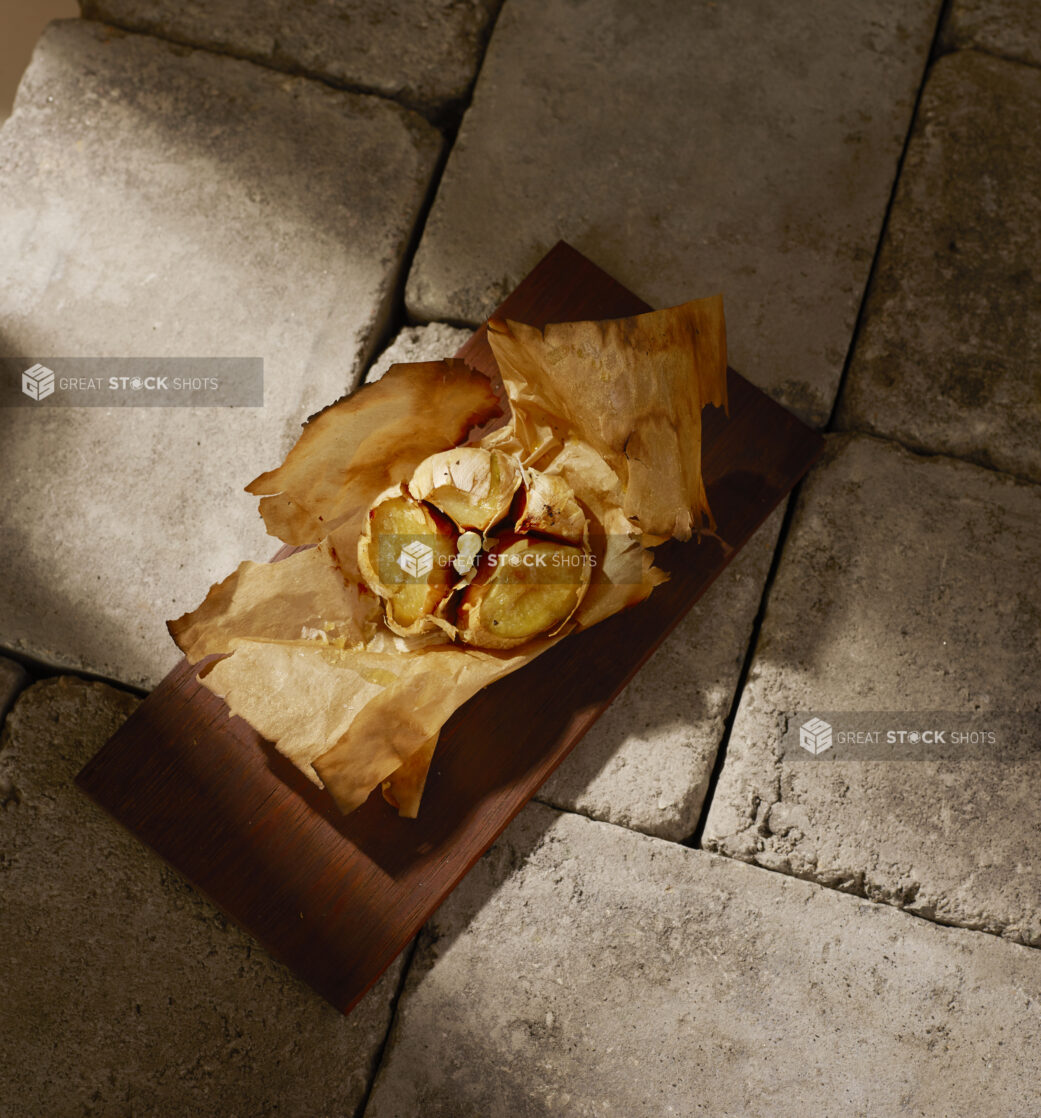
1006 27
159 201
124 991
687 149
948 357
424 53
13 678
583 969
430 342
911 585
646 763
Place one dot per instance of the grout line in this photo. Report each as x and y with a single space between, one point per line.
927 452
38 670
377 1060
931 56
694 840
450 130
444 116
432 114
989 52
861 893
398 317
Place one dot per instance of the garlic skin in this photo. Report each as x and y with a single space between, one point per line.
471 485
547 505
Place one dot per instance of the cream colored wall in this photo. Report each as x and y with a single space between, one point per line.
21 22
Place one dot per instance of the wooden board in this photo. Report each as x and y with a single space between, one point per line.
336 898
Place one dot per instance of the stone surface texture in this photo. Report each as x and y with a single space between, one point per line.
1007 27
159 201
123 991
424 53
646 763
582 969
906 585
948 357
13 678
431 342
754 156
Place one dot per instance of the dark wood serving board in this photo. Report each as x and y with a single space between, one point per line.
336 898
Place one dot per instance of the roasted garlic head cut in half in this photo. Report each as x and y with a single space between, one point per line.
406 556
493 554
527 586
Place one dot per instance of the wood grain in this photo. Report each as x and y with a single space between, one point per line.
336 898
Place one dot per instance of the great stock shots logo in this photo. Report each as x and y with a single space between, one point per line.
38 382
131 382
815 736
416 559
833 736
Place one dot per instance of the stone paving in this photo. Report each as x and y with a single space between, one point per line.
423 53
1011 28
754 156
912 585
429 342
159 199
151 203
949 357
646 763
124 992
581 969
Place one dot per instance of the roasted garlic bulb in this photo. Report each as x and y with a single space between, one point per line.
474 544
